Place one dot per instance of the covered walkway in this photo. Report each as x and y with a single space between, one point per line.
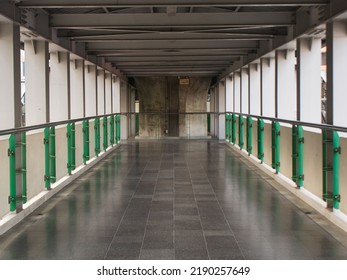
174 199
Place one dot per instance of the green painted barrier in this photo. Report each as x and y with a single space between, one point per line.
241 132
105 133
52 155
85 130
97 136
261 129
249 135
12 199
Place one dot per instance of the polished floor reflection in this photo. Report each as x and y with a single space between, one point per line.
170 199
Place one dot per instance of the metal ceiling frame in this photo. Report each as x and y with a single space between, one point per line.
171 37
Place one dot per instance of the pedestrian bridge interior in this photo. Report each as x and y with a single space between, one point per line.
173 129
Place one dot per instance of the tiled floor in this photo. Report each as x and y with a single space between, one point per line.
173 199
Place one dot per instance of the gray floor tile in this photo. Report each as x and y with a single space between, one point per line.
171 199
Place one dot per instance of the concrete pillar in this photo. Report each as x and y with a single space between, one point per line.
108 93
254 89
285 95
244 91
10 93
213 110
221 110
132 129
59 86
116 94
229 93
309 59
90 90
124 107
101 92
336 73
36 82
268 87
237 92
77 86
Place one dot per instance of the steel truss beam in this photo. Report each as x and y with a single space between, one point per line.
163 3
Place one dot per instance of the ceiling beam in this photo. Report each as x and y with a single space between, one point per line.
163 3
177 61
172 45
177 36
178 20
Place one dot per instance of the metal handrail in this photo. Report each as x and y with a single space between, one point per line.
44 125
307 124
41 126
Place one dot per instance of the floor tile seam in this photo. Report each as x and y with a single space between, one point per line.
115 234
144 235
220 207
203 233
174 208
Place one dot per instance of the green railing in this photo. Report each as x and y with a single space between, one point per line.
331 148
17 151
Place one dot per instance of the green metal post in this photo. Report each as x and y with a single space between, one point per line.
73 146
336 170
241 132
325 164
227 127
118 128
97 136
230 128
261 128
104 132
301 141
249 135
47 177
85 130
276 148
52 155
69 149
24 167
112 130
233 128
295 155
12 200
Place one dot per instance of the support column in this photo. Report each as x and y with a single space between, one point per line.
132 118
90 90
36 82
237 92
60 106
309 59
268 87
254 89
116 94
285 96
229 95
77 85
244 91
335 108
336 73
101 92
10 93
12 181
213 110
221 110
108 93
124 105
